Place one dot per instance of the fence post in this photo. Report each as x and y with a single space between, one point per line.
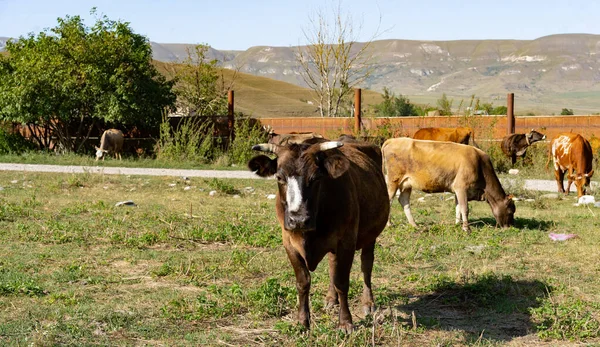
357 100
230 120
510 114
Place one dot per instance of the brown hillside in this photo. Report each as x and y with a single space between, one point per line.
264 97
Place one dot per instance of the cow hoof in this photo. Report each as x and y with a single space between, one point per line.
369 309
331 303
347 328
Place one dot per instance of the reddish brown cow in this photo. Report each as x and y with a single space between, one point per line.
458 135
435 167
572 154
331 200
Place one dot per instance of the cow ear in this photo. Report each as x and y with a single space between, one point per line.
97 148
263 165
336 165
589 174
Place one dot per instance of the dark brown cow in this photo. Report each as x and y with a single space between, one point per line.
331 200
572 153
293 137
516 145
458 135
435 167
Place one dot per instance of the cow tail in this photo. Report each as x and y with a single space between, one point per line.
473 139
383 166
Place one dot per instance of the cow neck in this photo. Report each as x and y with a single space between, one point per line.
493 188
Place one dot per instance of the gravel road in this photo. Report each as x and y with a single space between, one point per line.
532 184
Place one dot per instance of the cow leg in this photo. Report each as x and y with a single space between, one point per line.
302 285
331 299
513 159
570 175
392 187
559 175
366 264
341 281
405 202
457 208
463 205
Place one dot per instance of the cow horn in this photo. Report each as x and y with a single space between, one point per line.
266 147
330 145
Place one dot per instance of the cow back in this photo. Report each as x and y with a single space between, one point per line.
112 140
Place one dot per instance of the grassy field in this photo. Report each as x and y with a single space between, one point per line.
186 268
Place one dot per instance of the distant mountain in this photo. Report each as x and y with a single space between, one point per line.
3 43
546 74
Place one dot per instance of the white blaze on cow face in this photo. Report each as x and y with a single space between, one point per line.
293 194
99 154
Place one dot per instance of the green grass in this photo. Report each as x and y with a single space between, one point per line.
185 268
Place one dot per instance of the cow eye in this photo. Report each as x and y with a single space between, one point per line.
280 179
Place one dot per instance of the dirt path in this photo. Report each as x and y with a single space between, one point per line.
531 184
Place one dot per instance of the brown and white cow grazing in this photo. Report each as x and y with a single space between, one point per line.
516 145
111 141
331 200
435 167
458 135
572 153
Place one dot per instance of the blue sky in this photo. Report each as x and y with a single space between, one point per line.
240 24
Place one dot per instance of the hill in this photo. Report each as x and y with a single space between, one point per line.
264 97
546 74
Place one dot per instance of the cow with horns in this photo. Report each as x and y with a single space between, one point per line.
331 200
516 145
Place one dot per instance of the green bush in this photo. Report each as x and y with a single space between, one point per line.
14 143
191 140
247 134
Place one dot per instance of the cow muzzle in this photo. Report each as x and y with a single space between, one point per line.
298 222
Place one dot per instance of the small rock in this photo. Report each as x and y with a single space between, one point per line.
249 190
212 193
549 196
475 249
105 187
236 196
14 181
421 199
201 189
427 195
132 189
185 178
125 203
586 199
172 184
513 172
271 196
187 188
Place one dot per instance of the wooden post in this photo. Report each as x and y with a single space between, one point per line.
230 119
510 113
357 100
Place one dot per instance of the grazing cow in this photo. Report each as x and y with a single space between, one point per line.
458 135
435 167
293 137
111 141
516 145
331 200
573 153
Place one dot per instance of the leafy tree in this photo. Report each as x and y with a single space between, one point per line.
566 112
445 105
197 84
394 106
70 78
